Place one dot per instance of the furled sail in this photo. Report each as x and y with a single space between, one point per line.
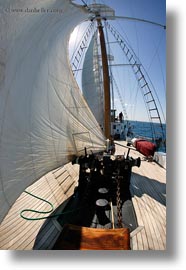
91 81
44 119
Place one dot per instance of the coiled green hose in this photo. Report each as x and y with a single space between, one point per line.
43 212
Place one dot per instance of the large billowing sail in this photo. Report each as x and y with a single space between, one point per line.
44 119
91 81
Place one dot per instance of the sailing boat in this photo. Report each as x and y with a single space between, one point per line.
46 122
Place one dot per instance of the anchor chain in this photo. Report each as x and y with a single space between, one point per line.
118 203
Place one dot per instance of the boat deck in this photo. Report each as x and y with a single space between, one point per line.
17 233
148 190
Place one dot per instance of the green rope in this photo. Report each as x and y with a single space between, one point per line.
43 212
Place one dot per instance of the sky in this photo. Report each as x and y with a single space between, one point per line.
149 44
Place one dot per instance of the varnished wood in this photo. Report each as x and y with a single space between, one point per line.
106 81
82 238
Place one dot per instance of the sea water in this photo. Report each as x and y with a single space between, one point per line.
143 129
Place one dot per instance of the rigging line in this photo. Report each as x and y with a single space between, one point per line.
135 26
84 2
110 68
146 74
85 125
138 20
156 51
78 53
121 99
135 100
155 94
129 50
163 78
80 39
123 32
111 74
77 38
116 85
135 85
137 40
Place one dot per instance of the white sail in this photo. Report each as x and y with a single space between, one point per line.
44 119
91 81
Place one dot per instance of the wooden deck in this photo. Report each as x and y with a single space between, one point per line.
19 234
148 188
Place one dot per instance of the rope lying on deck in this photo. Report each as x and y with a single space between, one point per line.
43 212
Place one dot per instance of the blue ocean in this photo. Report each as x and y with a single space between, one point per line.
143 129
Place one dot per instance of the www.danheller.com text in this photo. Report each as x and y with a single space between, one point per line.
32 10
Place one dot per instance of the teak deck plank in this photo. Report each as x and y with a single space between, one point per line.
148 188
17 233
149 203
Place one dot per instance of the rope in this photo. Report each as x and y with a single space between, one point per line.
43 212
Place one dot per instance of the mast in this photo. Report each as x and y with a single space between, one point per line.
106 80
